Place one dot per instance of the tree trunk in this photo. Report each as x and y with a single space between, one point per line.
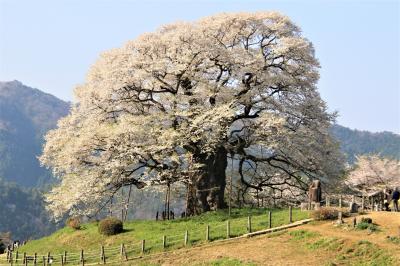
208 186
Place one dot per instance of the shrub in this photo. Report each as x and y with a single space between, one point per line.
365 225
328 213
110 226
74 223
366 220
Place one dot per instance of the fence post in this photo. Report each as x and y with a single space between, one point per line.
103 255
44 261
35 259
123 252
65 257
290 214
164 241
11 258
228 229
82 258
249 224
16 257
186 237
24 258
48 258
143 246
208 232
62 260
270 219
340 201
354 222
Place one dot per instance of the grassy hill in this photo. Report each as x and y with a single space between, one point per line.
317 243
90 240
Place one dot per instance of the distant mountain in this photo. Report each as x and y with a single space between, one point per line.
355 142
26 114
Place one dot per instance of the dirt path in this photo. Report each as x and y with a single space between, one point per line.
389 225
279 250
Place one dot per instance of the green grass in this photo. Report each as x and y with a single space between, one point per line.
226 262
365 253
362 253
88 238
303 234
367 226
394 239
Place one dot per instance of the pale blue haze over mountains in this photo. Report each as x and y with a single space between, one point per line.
51 44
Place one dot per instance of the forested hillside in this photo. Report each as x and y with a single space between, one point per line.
354 142
26 114
22 212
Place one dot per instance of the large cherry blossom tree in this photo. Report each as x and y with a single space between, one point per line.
175 104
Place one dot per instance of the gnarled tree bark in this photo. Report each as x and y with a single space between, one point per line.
207 188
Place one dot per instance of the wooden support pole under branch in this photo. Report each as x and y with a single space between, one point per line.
208 232
290 214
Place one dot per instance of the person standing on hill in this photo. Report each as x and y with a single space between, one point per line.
395 198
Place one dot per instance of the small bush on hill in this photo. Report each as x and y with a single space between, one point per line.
328 213
110 226
394 239
74 223
365 225
366 220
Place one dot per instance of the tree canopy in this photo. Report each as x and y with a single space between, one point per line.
173 105
373 173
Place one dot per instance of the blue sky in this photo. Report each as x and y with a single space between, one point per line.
51 44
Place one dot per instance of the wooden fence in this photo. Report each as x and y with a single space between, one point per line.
139 249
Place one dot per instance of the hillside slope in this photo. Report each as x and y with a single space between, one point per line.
319 243
355 142
26 114
22 212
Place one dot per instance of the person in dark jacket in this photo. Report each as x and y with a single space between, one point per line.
395 198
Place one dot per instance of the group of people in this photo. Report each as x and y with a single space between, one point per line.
391 196
165 216
15 245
